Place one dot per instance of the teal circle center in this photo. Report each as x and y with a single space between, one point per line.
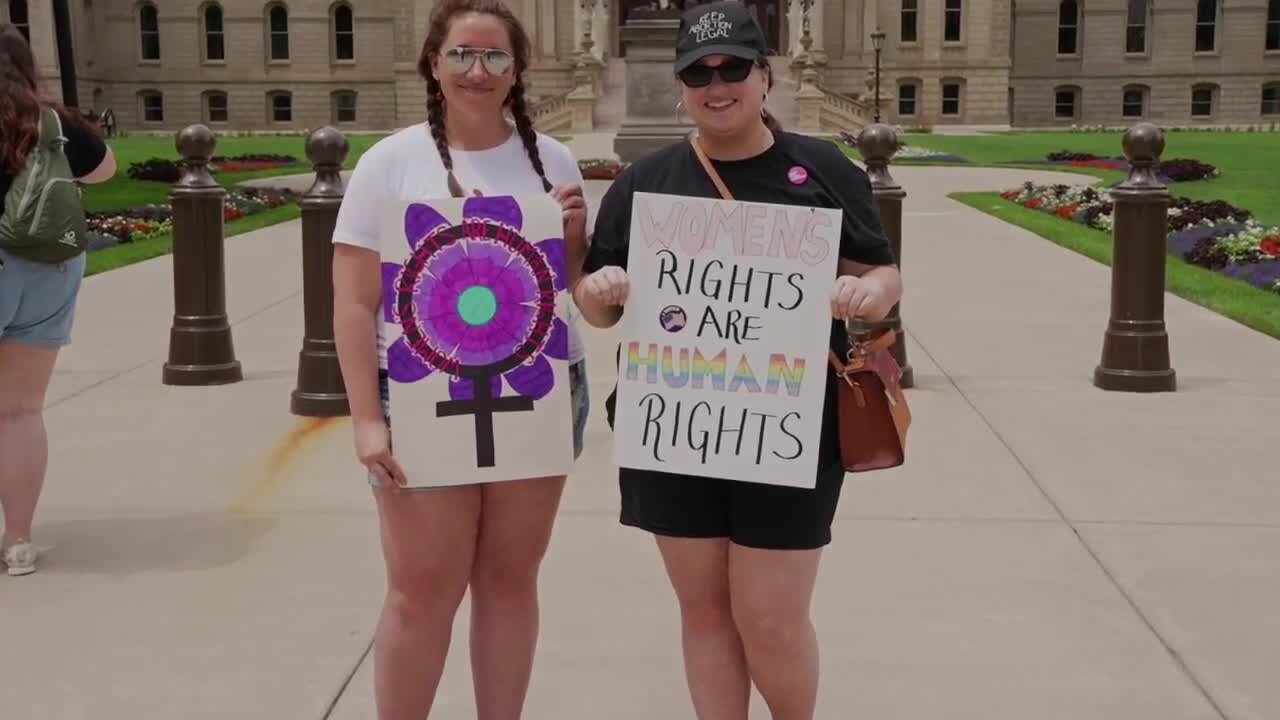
477 305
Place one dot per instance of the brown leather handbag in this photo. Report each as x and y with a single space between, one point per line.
872 412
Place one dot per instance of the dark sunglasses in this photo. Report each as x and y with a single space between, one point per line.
731 71
459 60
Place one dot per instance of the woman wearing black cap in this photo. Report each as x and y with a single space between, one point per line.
743 557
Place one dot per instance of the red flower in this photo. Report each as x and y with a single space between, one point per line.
1270 245
1032 203
1067 211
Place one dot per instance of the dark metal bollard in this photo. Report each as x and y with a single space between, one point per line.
1135 348
878 143
200 348
320 391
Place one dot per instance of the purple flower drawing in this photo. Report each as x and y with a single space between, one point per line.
476 301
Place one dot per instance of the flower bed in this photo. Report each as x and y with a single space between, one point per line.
107 229
169 171
600 169
1174 170
1213 234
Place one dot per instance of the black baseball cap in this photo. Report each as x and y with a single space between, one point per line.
718 28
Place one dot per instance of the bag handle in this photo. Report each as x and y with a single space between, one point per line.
711 170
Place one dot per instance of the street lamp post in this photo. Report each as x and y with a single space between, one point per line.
877 43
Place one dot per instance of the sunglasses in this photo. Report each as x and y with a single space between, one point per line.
732 71
459 60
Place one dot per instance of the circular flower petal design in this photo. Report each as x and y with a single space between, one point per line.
533 381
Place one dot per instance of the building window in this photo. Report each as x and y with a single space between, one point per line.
1064 103
1068 27
1271 100
1273 25
152 106
907 99
344 33
950 98
215 107
278 31
344 106
951 21
18 16
149 31
1206 25
1135 103
280 106
215 47
1202 102
910 14
1135 31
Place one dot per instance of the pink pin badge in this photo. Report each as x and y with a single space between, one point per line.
797 175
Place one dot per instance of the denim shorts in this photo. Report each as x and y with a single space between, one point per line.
579 402
38 300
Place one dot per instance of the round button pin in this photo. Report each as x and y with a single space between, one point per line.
797 175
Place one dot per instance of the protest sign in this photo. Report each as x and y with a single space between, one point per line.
474 300
725 337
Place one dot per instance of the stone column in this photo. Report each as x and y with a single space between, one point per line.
652 120
44 46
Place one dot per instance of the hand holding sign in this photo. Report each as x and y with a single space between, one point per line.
609 285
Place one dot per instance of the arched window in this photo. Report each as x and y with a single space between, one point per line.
1068 27
344 32
215 45
280 106
910 18
908 97
149 31
216 108
1273 25
1135 30
1066 102
1206 25
1203 99
1134 102
1271 99
19 17
952 16
278 32
151 106
344 106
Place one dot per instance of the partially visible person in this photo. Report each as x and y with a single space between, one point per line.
742 557
488 538
37 296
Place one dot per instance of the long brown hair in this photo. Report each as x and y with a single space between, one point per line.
438 29
20 101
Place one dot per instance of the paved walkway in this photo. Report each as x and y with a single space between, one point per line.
1050 551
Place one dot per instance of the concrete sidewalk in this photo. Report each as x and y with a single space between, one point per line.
1049 551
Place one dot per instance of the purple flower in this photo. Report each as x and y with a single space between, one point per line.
476 300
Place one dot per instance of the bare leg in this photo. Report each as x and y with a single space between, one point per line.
428 541
25 371
715 666
515 529
772 591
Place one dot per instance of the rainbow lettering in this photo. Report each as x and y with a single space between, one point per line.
780 371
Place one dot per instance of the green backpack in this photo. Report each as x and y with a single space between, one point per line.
43 217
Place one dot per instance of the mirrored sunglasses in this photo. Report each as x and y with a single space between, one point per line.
698 75
458 60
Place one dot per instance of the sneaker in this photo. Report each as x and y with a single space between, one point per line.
20 558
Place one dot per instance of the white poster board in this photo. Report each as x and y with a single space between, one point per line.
725 338
474 318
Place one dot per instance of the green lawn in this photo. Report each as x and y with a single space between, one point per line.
1232 298
1247 161
121 192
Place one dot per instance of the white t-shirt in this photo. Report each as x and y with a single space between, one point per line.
406 166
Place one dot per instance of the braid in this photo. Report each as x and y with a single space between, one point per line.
435 119
528 136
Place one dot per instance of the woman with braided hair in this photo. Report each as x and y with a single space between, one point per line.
489 537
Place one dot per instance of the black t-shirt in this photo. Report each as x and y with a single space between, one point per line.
833 182
84 150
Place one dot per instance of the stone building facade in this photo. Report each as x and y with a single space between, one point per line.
292 64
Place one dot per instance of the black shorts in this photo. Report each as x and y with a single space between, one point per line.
756 515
